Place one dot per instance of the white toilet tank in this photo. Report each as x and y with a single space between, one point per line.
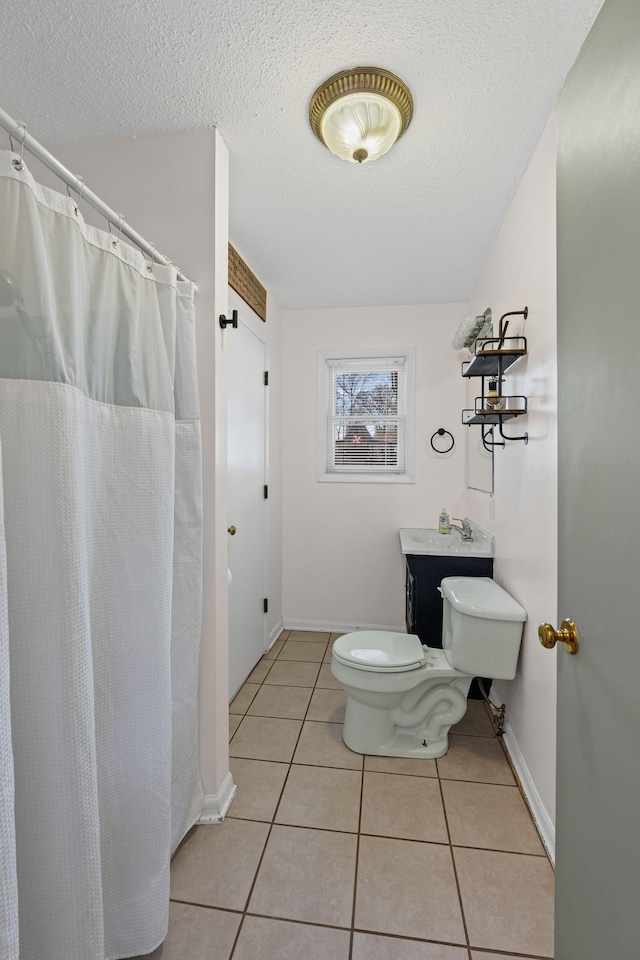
481 627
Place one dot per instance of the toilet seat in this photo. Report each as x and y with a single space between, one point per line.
380 651
403 697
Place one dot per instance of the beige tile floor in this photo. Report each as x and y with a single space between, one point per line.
326 855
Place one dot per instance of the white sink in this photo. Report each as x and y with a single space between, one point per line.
424 541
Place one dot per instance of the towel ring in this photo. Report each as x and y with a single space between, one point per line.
440 432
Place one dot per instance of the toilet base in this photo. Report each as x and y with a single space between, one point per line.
405 745
417 725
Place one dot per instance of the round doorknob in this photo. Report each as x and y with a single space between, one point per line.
231 530
567 635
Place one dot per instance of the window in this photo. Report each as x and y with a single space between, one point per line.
365 423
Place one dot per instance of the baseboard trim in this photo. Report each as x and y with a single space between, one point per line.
541 818
332 626
216 805
275 633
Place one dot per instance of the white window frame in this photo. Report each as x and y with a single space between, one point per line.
408 474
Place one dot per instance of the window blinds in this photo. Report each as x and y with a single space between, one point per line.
366 415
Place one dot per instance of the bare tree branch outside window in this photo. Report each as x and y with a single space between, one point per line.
366 411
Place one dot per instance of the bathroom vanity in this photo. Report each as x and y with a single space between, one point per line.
430 557
424 575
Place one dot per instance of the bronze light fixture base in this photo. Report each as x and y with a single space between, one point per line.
366 80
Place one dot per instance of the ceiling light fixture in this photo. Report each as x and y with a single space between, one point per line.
359 114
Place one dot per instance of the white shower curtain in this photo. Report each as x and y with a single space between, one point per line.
100 581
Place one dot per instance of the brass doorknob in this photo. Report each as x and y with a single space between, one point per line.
231 530
567 635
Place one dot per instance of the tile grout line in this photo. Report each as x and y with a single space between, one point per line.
201 906
453 864
357 864
264 849
255 876
449 943
260 684
381 836
376 933
383 773
357 856
273 818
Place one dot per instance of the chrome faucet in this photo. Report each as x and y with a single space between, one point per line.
465 530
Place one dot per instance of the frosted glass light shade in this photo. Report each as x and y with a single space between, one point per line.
361 127
359 114
472 328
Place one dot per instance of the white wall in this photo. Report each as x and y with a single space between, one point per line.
341 557
521 270
173 189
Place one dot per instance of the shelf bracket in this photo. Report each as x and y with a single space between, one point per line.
490 444
502 327
524 437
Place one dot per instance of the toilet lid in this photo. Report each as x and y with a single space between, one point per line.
380 650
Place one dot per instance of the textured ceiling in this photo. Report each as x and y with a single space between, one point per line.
414 226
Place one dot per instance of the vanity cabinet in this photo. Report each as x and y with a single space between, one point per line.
424 575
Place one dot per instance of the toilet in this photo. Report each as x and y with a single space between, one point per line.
402 696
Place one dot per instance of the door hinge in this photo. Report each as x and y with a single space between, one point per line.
266 605
266 491
266 378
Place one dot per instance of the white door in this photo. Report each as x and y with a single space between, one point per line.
247 465
598 806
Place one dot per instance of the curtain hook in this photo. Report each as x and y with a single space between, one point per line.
75 205
76 208
150 264
115 240
19 164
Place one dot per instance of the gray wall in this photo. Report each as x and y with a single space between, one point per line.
598 191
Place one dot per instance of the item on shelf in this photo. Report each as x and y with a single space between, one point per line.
493 398
471 329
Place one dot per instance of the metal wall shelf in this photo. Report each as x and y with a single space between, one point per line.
494 355
490 416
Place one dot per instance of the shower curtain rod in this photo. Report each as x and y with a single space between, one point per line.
19 131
